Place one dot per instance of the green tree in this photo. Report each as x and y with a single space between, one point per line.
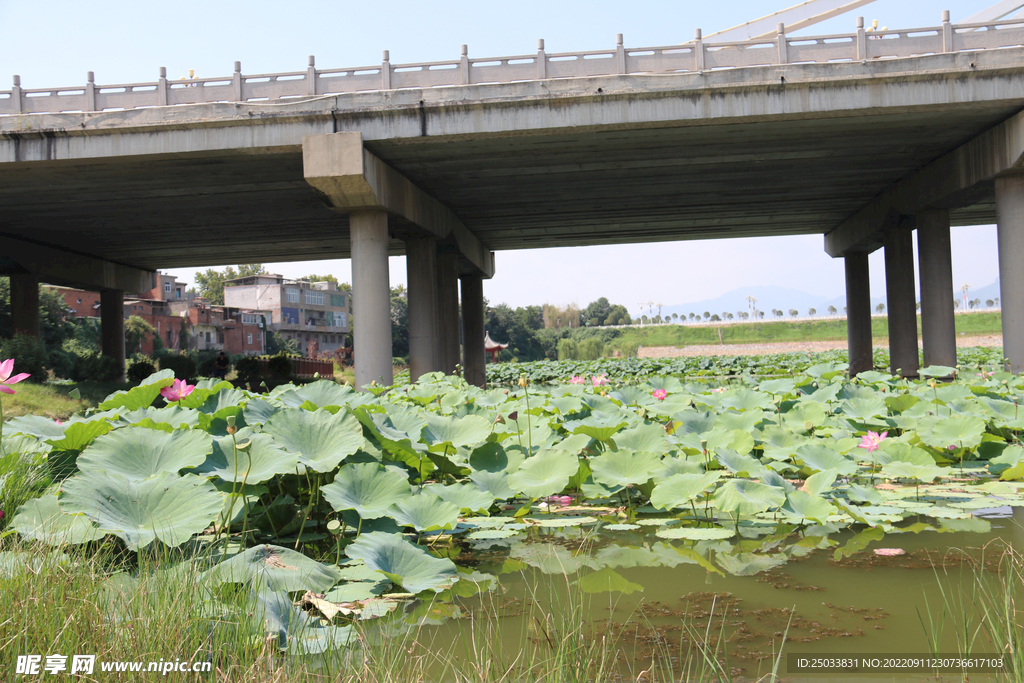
211 282
136 329
596 312
399 321
322 278
618 315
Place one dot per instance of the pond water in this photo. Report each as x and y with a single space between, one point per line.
650 599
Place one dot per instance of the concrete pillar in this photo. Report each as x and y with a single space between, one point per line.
900 294
112 325
935 264
1010 227
424 322
858 313
371 304
448 308
25 304
474 362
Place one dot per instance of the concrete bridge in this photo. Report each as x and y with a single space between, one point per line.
862 138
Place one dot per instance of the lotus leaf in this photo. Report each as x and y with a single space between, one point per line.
544 474
748 497
138 453
164 506
368 488
425 512
740 465
405 564
963 431
623 467
38 426
820 457
260 462
608 581
678 490
277 568
693 422
141 396
749 564
320 439
296 631
819 482
745 421
462 496
41 519
746 399
806 506
446 432
78 435
905 470
322 393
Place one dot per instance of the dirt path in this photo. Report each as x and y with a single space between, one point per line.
782 347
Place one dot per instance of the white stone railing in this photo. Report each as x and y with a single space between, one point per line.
696 56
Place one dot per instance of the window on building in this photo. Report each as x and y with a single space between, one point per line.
314 297
249 338
79 301
167 286
249 319
169 337
207 337
259 337
220 338
291 295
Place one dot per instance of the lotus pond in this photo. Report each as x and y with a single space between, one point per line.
653 527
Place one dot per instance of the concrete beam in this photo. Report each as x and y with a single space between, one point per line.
942 184
858 313
372 301
1010 233
25 304
935 264
424 319
448 307
112 326
474 360
349 178
901 300
58 267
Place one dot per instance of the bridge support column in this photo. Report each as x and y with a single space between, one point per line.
900 299
474 361
424 321
935 264
1010 231
858 313
368 233
112 326
448 307
25 304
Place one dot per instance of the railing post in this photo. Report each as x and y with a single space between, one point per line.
311 77
783 45
236 82
620 54
862 40
161 88
385 71
947 32
90 91
698 50
16 95
464 65
542 61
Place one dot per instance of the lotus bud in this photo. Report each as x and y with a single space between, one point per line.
522 381
514 416
230 419
499 419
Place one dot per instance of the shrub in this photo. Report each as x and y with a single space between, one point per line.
96 367
280 365
139 368
62 363
590 349
28 354
183 365
248 369
567 350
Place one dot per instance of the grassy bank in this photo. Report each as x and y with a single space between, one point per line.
780 331
56 401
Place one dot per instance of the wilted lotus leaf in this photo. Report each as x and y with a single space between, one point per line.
41 519
544 474
320 439
260 462
624 467
138 453
165 506
277 568
368 488
462 496
425 512
404 563
296 631
678 490
748 497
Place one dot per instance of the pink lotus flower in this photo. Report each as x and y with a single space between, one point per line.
718 390
599 380
559 500
5 376
576 379
177 391
659 394
890 552
985 375
871 441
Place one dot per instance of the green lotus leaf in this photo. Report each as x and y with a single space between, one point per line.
807 506
744 497
600 426
38 426
277 568
805 416
777 386
901 403
672 465
962 431
632 396
322 393
863 494
678 490
258 411
493 484
368 488
643 438
780 444
749 564
404 563
78 435
826 393
138 453
746 421
737 440
573 444
740 465
171 416
697 534
164 506
141 396
937 371
624 467
819 482
492 534
41 519
746 399
203 390
293 630
425 512
892 451
462 496
865 408
905 470
225 398
820 457
608 581
492 457
450 432
693 422
544 474
263 460
320 439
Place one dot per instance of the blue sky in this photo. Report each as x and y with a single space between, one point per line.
127 42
